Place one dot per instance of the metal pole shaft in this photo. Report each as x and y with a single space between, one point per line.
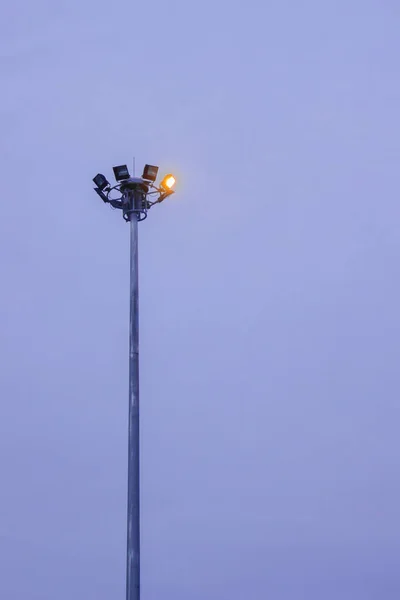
133 537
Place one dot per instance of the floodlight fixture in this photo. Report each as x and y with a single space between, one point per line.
100 181
150 173
168 183
121 172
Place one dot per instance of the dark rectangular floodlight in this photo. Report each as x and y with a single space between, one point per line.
101 194
121 173
150 173
100 181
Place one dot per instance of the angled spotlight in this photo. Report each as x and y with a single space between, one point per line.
100 181
168 183
150 173
121 173
101 194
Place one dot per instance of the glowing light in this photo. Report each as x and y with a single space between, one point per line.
168 182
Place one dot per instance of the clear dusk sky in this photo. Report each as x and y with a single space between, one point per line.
270 294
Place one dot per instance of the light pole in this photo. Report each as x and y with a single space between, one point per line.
135 197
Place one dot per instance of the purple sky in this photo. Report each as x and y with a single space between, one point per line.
270 294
